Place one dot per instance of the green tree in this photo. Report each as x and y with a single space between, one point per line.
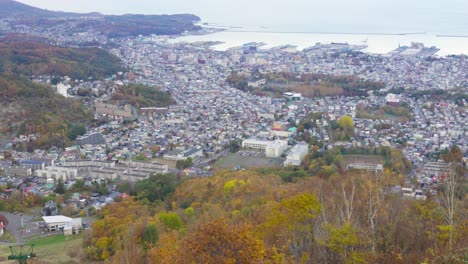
60 188
234 146
79 184
140 156
171 220
150 235
183 164
156 187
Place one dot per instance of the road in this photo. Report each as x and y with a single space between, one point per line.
20 231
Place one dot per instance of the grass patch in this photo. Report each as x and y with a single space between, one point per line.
8 238
219 162
52 249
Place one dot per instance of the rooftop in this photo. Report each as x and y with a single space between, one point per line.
56 219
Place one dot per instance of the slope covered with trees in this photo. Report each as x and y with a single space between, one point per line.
23 55
253 217
108 25
29 108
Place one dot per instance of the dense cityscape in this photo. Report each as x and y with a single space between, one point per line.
193 112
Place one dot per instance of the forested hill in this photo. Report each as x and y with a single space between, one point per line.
28 108
110 26
23 55
256 217
14 8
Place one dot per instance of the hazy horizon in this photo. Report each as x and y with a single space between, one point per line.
396 16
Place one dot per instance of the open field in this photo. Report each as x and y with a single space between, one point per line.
51 250
366 159
247 160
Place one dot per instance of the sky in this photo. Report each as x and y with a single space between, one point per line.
438 16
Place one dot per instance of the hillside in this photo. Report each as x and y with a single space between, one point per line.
111 26
13 8
23 55
252 217
29 108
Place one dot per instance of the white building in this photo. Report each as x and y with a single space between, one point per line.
293 96
53 172
278 133
62 89
392 99
257 83
60 222
296 155
272 148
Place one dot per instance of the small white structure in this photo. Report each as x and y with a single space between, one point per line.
296 155
393 99
257 83
60 222
1 229
415 194
62 89
293 96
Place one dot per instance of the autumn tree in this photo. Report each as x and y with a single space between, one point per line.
216 242
346 122
343 240
3 219
291 222
453 155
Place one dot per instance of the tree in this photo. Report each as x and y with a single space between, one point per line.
454 155
342 241
156 187
291 224
171 220
234 146
217 242
4 219
346 122
60 188
183 164
79 184
450 203
150 235
141 156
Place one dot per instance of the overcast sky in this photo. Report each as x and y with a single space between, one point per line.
450 14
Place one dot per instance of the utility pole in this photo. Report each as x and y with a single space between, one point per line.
25 252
